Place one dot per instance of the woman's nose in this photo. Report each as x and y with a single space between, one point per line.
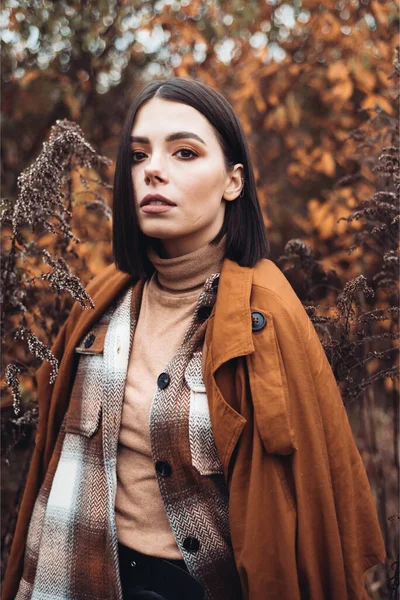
155 167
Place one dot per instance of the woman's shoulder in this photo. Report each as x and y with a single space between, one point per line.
271 287
273 293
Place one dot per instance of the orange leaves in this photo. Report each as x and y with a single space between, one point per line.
192 8
341 92
268 70
96 254
342 86
293 109
381 12
326 164
74 105
323 216
375 100
259 101
251 89
298 139
319 160
383 73
337 71
364 78
297 113
277 119
29 77
326 27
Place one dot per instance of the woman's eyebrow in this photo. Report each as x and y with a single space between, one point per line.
178 135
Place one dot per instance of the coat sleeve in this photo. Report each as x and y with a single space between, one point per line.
338 533
35 475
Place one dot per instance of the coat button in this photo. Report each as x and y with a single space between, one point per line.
204 312
163 468
191 544
258 321
89 340
215 284
163 380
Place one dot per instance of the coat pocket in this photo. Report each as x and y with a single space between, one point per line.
204 454
84 411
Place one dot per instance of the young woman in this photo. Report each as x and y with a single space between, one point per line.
195 443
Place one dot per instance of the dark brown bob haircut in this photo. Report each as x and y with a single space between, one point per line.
246 240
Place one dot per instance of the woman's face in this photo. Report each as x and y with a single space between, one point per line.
188 171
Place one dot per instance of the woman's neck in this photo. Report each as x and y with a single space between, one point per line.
175 247
187 272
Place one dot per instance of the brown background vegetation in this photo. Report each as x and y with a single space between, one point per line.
314 85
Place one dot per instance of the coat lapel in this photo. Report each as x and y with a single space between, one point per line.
231 332
228 335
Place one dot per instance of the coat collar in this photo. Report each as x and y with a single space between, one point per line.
232 331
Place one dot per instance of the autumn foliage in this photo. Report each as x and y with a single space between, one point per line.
315 86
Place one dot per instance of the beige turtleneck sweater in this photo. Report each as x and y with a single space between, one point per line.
168 303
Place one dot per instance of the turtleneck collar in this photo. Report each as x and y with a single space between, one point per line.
187 273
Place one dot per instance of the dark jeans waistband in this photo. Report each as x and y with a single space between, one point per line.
169 579
128 554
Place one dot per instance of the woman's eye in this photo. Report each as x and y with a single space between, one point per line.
133 154
187 150
135 159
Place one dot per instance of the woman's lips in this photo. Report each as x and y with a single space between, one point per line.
156 208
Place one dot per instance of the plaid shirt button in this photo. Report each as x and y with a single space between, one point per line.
163 380
204 312
163 468
215 283
89 341
191 544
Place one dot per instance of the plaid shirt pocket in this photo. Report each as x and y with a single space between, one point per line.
203 450
84 412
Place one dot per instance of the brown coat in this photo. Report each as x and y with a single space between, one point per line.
302 516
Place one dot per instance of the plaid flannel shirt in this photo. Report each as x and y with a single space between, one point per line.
72 546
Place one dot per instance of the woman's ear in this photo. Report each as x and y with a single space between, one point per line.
235 183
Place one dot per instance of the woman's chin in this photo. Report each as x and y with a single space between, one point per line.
161 232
